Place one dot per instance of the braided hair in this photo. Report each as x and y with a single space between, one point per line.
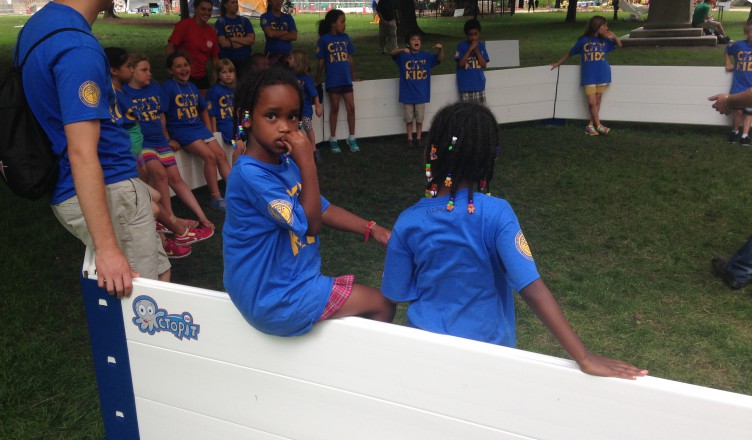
462 148
249 90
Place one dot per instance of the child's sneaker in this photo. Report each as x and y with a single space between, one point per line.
162 228
353 144
174 251
218 204
193 235
733 137
602 129
334 146
591 130
745 142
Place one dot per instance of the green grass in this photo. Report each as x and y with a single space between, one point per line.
622 229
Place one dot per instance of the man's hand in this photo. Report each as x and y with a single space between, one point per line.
721 104
114 273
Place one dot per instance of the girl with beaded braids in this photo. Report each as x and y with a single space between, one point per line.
457 255
274 212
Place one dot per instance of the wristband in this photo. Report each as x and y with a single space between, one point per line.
369 226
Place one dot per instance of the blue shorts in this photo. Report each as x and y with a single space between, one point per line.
188 135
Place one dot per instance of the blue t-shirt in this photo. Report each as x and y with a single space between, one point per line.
234 28
184 106
336 50
742 52
219 100
415 76
458 270
272 269
150 103
594 68
66 80
309 94
284 22
127 108
471 77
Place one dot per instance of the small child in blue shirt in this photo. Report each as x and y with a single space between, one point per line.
595 72
272 265
471 58
298 62
458 255
334 51
415 83
219 101
188 125
739 61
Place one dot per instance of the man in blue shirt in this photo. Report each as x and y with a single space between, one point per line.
98 196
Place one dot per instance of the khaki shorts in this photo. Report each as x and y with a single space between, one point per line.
129 204
414 112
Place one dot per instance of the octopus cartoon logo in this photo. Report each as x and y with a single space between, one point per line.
151 319
89 94
281 210
522 247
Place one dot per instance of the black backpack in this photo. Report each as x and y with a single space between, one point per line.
27 163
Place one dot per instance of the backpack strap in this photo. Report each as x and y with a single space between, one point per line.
41 40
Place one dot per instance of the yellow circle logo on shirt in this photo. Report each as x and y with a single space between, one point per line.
89 94
281 210
522 247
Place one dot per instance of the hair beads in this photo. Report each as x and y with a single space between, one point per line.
448 181
428 172
450 205
433 152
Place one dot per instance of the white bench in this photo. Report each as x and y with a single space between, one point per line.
204 372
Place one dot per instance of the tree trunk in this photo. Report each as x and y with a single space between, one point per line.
407 22
183 9
616 10
110 13
750 14
571 12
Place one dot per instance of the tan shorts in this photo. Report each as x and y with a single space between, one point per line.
414 112
129 204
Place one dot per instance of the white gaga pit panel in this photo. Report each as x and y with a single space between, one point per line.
353 378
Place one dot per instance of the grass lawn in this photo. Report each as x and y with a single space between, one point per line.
622 228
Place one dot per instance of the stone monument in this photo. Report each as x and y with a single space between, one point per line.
669 24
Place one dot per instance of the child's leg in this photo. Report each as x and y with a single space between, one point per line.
420 113
200 149
409 129
747 122
350 107
366 302
183 191
593 107
223 166
737 121
333 112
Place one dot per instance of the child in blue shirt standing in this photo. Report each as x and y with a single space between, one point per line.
595 72
739 61
415 83
457 255
280 31
471 58
334 51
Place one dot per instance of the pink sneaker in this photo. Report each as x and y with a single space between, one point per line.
162 228
602 129
590 130
194 235
174 251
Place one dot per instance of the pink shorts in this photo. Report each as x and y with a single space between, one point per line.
340 292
